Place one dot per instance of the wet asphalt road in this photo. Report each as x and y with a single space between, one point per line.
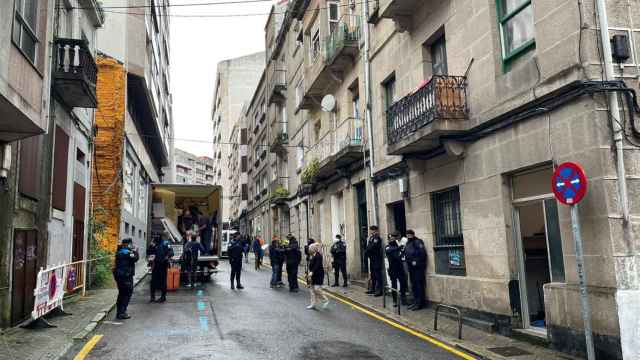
214 322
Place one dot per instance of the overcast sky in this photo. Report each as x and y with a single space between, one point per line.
197 45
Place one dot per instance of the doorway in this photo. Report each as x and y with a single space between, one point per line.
398 218
538 244
363 224
25 267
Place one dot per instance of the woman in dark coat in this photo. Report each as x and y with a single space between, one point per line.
316 277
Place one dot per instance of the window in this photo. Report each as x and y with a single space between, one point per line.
300 154
389 93
517 32
126 228
129 174
24 27
315 46
449 244
439 57
60 165
333 15
299 94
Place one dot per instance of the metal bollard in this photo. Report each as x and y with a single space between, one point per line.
435 320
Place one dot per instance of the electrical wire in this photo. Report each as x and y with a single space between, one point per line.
222 15
230 2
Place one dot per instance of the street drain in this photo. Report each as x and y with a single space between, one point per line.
509 351
331 350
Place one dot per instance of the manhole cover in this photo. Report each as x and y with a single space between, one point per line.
509 351
331 350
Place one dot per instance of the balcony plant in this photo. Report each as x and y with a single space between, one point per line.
308 175
279 192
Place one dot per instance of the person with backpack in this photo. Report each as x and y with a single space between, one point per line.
293 258
339 254
235 251
160 254
192 249
258 252
123 272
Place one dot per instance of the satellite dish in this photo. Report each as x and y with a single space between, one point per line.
328 103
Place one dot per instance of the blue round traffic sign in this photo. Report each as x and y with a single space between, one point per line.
569 183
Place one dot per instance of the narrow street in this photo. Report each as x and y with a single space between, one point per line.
215 322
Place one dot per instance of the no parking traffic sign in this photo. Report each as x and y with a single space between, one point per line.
569 183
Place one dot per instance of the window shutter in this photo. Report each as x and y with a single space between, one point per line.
60 160
79 201
30 167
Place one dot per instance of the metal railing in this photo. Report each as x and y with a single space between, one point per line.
443 97
452 308
323 149
346 31
350 132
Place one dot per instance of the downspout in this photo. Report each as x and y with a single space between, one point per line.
614 109
367 112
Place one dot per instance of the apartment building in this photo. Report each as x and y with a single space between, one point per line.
236 81
472 105
47 99
192 169
133 143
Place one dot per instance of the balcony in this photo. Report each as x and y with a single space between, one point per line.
279 143
340 149
279 191
325 67
277 85
400 11
74 74
416 122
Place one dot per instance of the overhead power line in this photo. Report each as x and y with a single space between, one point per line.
223 15
226 2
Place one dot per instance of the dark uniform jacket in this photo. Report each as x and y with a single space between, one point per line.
292 253
374 252
162 252
416 252
339 252
235 251
125 266
276 254
394 254
317 270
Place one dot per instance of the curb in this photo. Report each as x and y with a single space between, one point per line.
101 315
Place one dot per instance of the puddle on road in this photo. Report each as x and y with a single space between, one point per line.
331 350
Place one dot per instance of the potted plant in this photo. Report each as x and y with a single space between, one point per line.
308 175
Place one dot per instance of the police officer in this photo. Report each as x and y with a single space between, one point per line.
123 272
416 257
235 251
394 251
293 258
159 254
339 254
374 254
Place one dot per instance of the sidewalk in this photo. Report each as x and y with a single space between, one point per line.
49 344
474 341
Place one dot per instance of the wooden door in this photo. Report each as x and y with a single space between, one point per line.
25 265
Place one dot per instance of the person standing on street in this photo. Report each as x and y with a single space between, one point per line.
123 272
281 259
374 254
339 254
258 252
160 253
192 249
246 244
206 232
394 251
235 251
416 257
293 258
275 258
315 277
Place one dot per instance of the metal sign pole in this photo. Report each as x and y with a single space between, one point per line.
582 279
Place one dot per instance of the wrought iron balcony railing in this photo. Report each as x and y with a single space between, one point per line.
277 84
442 98
75 73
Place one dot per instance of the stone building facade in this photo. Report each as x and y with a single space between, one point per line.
472 106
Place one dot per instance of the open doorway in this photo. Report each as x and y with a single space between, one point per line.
398 218
363 224
538 244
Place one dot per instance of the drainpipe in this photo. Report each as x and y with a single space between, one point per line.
367 112
614 108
